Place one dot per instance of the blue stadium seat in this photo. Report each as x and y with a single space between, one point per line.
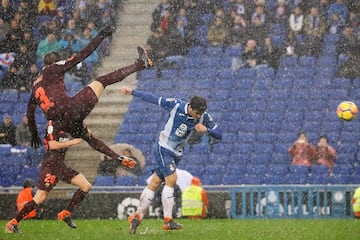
214 51
339 179
308 61
319 170
318 179
342 169
287 61
274 179
279 169
298 170
232 52
253 180
125 181
257 169
232 180
104 180
215 168
215 179
295 179
196 51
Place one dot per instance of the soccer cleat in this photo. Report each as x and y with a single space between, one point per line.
65 216
144 57
12 226
126 161
171 225
134 221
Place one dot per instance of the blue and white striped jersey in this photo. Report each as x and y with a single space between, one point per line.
179 124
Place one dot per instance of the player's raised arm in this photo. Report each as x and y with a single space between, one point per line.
90 48
146 96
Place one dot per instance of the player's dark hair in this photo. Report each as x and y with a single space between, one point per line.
51 58
28 183
323 136
198 103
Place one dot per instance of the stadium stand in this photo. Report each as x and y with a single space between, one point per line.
260 110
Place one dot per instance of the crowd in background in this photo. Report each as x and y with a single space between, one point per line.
30 29
264 29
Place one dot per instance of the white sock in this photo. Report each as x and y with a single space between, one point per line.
167 199
146 199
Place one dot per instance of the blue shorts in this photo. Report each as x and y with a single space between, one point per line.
166 162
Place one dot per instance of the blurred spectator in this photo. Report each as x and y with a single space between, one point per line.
84 40
29 13
106 18
47 7
194 201
94 13
72 28
167 21
4 30
29 41
13 78
155 46
349 68
6 59
270 54
217 32
257 31
7 11
341 9
7 131
68 45
33 74
107 167
346 44
302 151
26 195
47 27
220 13
260 14
48 44
355 202
160 12
336 24
23 58
251 55
79 22
23 135
296 24
315 27
325 154
237 32
61 18
241 7
14 37
281 14
323 7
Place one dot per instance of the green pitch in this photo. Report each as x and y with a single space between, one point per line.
313 229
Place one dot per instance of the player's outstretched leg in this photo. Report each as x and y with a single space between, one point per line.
169 224
144 57
65 216
12 226
134 221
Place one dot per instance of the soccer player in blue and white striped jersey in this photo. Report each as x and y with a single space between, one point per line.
184 117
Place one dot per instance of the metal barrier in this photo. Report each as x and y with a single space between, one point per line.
290 201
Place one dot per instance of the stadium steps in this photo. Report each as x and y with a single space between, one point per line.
105 119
